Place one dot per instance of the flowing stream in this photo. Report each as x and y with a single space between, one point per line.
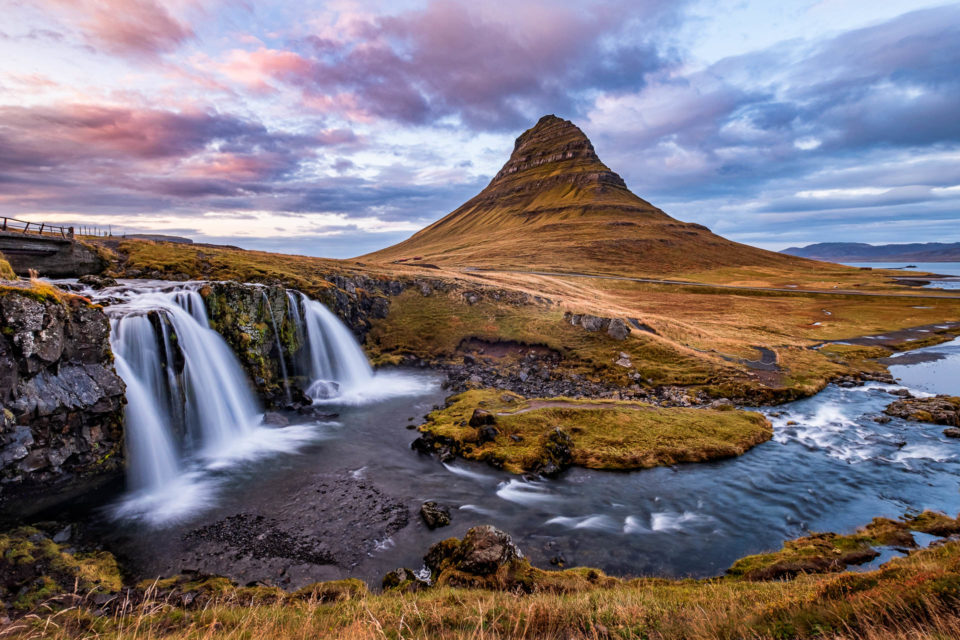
830 466
190 409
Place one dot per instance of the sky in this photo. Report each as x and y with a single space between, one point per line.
337 128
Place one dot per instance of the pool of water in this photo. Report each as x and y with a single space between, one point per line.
941 268
830 466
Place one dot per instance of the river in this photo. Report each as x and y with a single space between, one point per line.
351 486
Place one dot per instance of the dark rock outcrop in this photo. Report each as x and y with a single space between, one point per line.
53 257
616 328
62 401
403 579
482 552
943 410
250 317
435 515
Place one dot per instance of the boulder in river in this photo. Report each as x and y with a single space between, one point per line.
435 515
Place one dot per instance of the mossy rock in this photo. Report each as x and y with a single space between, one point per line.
34 569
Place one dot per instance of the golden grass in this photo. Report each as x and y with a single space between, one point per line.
912 597
702 335
433 327
6 271
602 435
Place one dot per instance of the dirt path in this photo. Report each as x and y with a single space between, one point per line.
684 283
549 404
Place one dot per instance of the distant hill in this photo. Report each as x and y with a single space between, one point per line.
860 252
156 237
555 206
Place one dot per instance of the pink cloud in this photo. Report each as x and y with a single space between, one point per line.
491 65
255 68
142 28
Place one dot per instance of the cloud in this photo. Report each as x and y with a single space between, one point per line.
139 28
67 152
400 112
870 110
492 68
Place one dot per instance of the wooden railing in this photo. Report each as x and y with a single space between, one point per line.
12 225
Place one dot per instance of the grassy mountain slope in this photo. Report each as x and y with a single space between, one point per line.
555 206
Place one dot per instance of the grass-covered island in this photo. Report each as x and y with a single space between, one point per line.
547 435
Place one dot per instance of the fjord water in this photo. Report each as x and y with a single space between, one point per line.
951 269
830 466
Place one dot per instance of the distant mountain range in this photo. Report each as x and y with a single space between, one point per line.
861 252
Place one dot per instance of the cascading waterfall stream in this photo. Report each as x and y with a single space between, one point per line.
190 407
188 402
335 363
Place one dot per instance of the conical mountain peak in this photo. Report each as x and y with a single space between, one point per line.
554 206
554 148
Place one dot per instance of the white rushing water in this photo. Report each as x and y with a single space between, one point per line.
334 362
191 411
189 405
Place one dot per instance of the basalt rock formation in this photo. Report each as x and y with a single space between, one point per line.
555 206
62 401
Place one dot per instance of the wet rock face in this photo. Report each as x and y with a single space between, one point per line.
943 410
62 401
255 320
250 317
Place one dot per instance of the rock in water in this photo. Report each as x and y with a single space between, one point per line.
435 515
274 419
482 552
943 410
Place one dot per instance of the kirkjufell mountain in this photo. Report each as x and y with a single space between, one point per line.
555 206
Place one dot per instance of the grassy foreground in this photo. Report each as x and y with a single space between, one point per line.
520 435
911 597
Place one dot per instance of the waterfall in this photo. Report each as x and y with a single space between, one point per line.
190 408
332 359
152 459
209 396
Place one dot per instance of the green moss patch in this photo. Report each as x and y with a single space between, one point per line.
830 552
